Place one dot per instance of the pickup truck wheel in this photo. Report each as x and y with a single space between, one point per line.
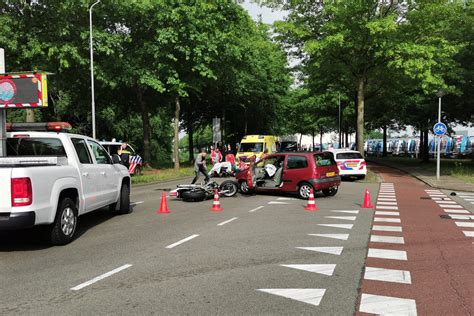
65 223
124 207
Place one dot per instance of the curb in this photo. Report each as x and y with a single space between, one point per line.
416 176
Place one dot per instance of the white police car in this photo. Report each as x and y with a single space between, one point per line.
350 163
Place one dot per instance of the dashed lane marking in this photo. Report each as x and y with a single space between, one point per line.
387 228
182 241
256 209
346 218
457 211
100 277
386 305
325 269
464 224
227 221
330 250
387 213
468 233
387 220
450 206
387 239
387 254
387 207
309 296
136 203
346 211
334 236
343 226
286 199
387 275
278 203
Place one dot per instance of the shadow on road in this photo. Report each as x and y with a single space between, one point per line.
36 238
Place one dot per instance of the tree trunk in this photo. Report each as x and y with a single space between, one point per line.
347 139
384 150
176 133
426 150
30 116
421 147
245 121
301 138
321 139
312 134
146 128
360 115
190 142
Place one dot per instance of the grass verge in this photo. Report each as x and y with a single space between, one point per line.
160 175
371 177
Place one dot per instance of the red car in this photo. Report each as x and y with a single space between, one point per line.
292 172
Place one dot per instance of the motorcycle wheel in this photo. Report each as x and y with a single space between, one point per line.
230 186
193 196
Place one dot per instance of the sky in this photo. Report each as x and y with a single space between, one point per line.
268 15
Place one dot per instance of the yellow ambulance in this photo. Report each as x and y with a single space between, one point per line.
256 145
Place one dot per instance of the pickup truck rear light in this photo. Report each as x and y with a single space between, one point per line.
22 192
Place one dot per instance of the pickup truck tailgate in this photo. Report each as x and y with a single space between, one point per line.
5 183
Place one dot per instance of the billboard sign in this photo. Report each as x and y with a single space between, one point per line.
23 90
216 130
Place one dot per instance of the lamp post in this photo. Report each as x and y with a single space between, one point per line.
92 69
440 94
339 95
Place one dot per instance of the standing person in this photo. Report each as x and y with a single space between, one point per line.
229 157
216 156
200 167
124 155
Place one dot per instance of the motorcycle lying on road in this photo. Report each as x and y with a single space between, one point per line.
201 192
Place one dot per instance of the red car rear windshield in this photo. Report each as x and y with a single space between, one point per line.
324 160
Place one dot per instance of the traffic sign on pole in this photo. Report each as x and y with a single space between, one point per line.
440 129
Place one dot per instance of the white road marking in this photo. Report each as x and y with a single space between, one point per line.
100 277
286 199
277 203
256 209
346 211
344 226
136 203
457 211
450 206
386 207
387 213
386 305
465 193
387 254
182 241
438 195
464 224
445 202
326 269
387 275
386 199
334 236
330 250
347 218
387 228
387 239
386 203
387 220
468 233
309 296
432 191
436 199
386 195
386 191
461 217
469 199
227 221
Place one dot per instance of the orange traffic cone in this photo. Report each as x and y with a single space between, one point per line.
311 203
164 205
367 200
216 205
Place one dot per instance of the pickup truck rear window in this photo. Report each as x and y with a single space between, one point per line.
35 146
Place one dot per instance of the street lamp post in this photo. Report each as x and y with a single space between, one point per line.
339 95
92 69
440 94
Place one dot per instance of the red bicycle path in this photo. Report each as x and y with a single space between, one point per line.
440 257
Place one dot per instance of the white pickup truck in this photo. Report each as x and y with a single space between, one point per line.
51 177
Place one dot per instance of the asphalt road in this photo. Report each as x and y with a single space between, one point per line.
262 254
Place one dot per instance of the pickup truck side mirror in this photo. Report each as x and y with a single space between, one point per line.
116 159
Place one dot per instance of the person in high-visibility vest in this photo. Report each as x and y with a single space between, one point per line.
124 155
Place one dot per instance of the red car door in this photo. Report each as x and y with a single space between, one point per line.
296 170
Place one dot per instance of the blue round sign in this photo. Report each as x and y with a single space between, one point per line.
440 129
